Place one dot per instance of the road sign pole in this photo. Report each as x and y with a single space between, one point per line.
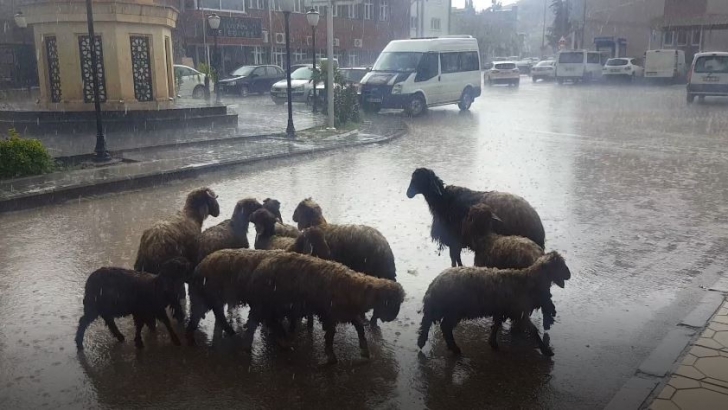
330 61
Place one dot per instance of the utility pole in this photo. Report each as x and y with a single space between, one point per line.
583 26
543 34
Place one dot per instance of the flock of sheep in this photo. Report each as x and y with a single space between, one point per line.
334 272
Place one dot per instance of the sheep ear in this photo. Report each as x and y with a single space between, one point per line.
436 188
204 209
496 218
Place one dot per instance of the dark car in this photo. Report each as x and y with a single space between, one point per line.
251 79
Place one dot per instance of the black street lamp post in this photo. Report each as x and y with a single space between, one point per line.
313 18
24 71
287 8
214 21
101 153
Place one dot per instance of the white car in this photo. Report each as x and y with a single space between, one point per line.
625 68
190 82
708 76
544 70
301 87
503 72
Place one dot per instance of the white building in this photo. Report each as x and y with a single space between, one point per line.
430 18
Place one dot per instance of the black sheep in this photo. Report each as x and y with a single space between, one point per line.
449 205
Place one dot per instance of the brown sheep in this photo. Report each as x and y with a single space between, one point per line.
177 237
503 252
229 234
293 285
361 248
450 204
274 206
117 292
472 292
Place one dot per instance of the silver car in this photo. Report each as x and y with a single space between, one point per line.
301 87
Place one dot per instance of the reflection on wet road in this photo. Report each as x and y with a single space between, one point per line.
628 181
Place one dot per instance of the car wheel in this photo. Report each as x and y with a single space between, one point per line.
534 79
416 106
278 101
244 91
517 83
466 100
560 81
198 92
372 108
690 98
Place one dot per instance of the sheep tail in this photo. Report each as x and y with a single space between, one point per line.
424 331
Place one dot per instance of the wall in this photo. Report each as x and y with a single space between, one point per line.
631 20
432 9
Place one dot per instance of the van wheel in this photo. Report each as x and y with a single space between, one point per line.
416 106
690 98
560 81
466 100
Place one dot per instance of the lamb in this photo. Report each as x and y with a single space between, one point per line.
229 234
177 237
274 206
449 205
503 252
115 292
473 292
311 240
293 285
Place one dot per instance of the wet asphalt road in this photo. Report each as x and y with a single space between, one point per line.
629 182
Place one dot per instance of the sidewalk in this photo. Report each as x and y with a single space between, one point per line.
700 382
154 165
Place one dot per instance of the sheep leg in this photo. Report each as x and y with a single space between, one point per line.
162 317
196 314
83 323
363 346
309 322
424 331
112 326
455 256
252 326
545 349
221 320
276 327
330 328
139 324
373 320
493 339
447 326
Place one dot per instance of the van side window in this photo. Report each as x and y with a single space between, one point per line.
428 67
469 61
593 58
450 62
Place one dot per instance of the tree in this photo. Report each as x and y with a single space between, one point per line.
562 25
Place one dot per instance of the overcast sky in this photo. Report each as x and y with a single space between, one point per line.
480 4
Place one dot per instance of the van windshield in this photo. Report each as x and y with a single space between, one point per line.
397 61
712 64
571 58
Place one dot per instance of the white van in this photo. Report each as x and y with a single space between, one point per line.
421 73
665 64
708 76
578 66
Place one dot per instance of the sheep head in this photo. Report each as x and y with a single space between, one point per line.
554 267
265 223
201 203
313 242
247 207
480 221
274 206
425 182
307 214
388 297
172 275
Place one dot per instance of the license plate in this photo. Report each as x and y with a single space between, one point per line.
711 79
374 100
651 73
614 70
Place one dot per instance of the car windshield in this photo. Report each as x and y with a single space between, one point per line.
545 64
505 66
397 61
303 73
615 62
571 58
353 75
245 70
712 64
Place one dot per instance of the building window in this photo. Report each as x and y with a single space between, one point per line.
54 68
668 38
141 68
231 5
347 11
435 24
299 6
353 59
413 22
696 37
682 38
383 10
297 55
84 48
257 4
368 7
279 56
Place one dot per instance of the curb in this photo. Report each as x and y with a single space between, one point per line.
37 199
652 372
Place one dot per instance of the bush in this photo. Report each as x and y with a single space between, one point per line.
346 101
21 157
